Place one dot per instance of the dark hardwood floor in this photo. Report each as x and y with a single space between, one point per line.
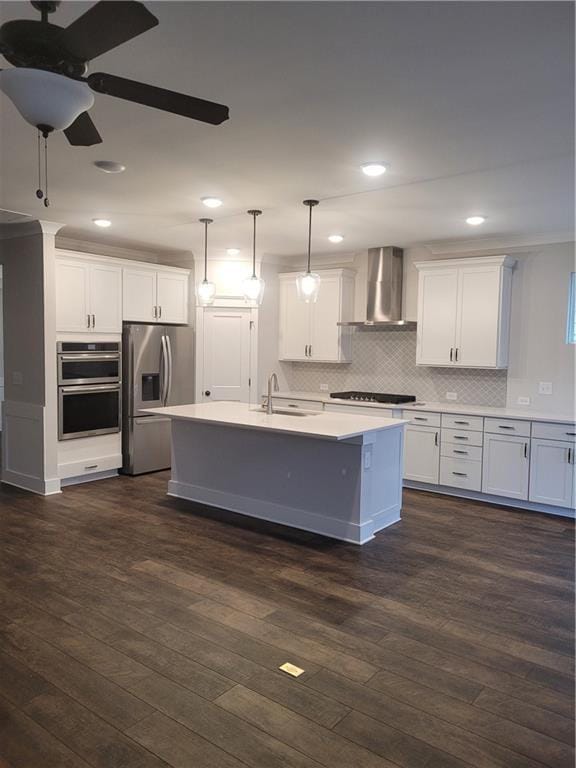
138 631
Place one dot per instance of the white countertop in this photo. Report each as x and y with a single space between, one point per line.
457 408
321 424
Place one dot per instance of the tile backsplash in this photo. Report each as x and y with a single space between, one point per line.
384 361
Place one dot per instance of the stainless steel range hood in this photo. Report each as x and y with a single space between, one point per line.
384 291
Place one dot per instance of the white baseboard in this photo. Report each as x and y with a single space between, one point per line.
31 483
285 515
529 506
89 478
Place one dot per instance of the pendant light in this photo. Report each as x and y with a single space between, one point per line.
205 291
254 286
308 283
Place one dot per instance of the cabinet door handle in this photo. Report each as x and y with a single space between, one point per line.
306 350
571 434
436 439
569 455
93 321
310 350
456 355
451 354
87 321
460 474
159 310
525 450
155 311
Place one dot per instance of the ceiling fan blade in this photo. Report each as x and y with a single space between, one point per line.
104 26
151 96
83 132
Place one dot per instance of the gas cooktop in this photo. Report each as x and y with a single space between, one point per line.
374 397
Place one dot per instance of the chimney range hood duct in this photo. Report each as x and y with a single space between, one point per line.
384 291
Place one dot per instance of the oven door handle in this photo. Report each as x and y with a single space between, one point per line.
91 388
87 356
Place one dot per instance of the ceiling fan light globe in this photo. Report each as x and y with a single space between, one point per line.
45 98
205 293
308 287
253 289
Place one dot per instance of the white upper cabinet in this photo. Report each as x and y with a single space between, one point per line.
139 295
464 311
88 296
153 295
552 472
310 332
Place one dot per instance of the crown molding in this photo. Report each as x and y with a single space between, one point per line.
500 243
28 228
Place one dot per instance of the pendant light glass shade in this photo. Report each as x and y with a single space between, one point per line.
253 286
205 291
308 283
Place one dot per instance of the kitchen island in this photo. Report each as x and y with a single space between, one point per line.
335 474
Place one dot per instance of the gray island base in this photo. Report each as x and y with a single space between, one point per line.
338 475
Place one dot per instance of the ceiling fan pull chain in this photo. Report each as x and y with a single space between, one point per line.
39 193
46 201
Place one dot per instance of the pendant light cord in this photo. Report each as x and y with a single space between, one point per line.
46 201
309 237
206 222
254 213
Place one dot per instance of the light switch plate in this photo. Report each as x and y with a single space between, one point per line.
545 387
17 379
451 395
523 401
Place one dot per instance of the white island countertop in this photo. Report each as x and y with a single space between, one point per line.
320 424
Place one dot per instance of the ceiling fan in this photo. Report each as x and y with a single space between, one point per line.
50 85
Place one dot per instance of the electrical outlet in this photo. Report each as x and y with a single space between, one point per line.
451 395
17 378
545 388
323 387
523 401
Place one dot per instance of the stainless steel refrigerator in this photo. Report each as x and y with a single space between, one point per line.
157 370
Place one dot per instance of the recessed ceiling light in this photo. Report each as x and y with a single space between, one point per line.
232 251
102 223
374 169
335 238
474 221
212 202
110 166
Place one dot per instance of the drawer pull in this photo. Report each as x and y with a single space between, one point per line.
460 437
505 426
460 474
420 418
571 434
457 451
464 423
91 466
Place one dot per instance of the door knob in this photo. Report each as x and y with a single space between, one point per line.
207 393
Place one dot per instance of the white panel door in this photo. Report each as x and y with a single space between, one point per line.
226 347
294 323
505 466
325 313
72 305
139 295
552 472
478 317
172 297
106 298
421 454
437 305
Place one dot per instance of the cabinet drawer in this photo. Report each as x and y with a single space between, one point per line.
382 413
425 419
454 421
450 450
507 427
306 405
554 431
461 473
462 437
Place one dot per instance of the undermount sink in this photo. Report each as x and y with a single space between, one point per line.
286 412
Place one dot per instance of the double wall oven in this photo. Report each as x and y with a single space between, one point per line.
89 388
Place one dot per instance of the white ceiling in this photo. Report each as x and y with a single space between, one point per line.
471 103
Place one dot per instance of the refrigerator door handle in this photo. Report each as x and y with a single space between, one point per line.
169 382
163 370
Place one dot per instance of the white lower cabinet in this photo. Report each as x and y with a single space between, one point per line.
506 466
422 454
552 472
